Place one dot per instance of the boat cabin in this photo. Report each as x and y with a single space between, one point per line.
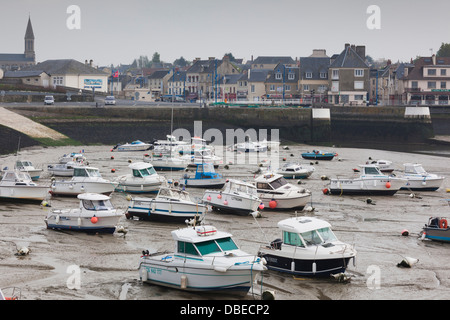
371 170
414 168
95 202
173 194
270 181
17 178
206 171
24 165
203 240
142 170
305 231
240 187
86 172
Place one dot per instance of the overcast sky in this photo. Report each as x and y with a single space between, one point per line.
114 32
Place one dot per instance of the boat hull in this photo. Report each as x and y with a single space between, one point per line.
437 234
284 203
235 204
319 156
173 211
423 184
305 267
204 183
69 188
24 193
69 222
197 278
365 186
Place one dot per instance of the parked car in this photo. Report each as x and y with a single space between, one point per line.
49 100
110 100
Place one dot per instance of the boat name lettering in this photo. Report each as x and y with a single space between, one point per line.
154 270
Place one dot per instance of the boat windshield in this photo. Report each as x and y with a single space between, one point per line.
318 236
216 246
372 170
21 164
415 169
97 205
144 172
94 173
278 183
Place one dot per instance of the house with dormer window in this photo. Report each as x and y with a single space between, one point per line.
313 85
282 82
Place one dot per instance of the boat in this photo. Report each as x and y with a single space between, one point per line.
319 155
201 156
205 177
95 214
250 146
296 171
385 166
205 260
308 247
62 169
27 166
142 179
17 185
170 143
15 293
197 144
420 180
436 229
166 162
137 145
236 197
277 194
171 204
370 182
77 157
84 180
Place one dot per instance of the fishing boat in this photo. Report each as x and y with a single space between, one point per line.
62 169
27 166
94 214
205 177
77 157
166 162
436 229
201 156
319 155
171 204
137 145
370 182
236 197
84 180
250 146
277 194
142 179
307 247
205 260
17 185
170 143
385 166
197 144
420 180
296 171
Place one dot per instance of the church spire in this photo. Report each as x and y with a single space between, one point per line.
29 41
29 34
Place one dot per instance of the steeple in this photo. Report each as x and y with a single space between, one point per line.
29 41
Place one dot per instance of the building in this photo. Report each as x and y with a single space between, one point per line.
282 82
13 61
70 73
254 84
270 62
313 85
32 78
158 83
428 81
348 77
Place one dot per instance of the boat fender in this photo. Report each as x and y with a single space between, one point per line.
220 269
79 221
293 266
144 276
183 282
57 219
443 224
314 268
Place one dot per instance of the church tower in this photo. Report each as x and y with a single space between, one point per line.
29 41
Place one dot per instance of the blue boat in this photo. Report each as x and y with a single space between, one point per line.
205 177
437 229
319 155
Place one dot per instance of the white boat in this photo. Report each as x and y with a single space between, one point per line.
204 259
133 146
277 194
16 185
84 180
196 144
205 155
370 182
296 171
205 177
62 169
170 143
166 162
251 146
171 204
142 179
420 180
27 166
77 157
307 247
385 166
94 214
237 197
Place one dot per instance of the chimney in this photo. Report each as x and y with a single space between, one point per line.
361 51
85 62
90 62
433 57
347 45
211 58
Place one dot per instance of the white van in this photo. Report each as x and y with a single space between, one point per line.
49 100
110 100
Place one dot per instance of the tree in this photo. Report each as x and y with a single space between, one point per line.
444 50
181 62
230 56
156 58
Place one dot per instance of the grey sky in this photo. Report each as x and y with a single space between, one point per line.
116 32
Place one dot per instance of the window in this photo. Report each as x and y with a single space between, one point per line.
443 85
335 86
252 88
293 239
309 75
272 87
207 247
186 247
226 244
291 76
443 72
359 97
359 72
58 81
287 87
327 235
359 85
306 87
278 76
323 75
335 74
431 72
414 84
431 84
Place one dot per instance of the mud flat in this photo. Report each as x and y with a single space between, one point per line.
108 263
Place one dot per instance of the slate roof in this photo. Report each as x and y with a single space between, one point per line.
159 74
273 60
23 74
417 72
314 65
258 75
349 59
65 66
15 57
279 68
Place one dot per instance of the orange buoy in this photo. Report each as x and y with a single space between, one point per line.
94 219
272 204
325 191
113 170
443 224
219 196
388 184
